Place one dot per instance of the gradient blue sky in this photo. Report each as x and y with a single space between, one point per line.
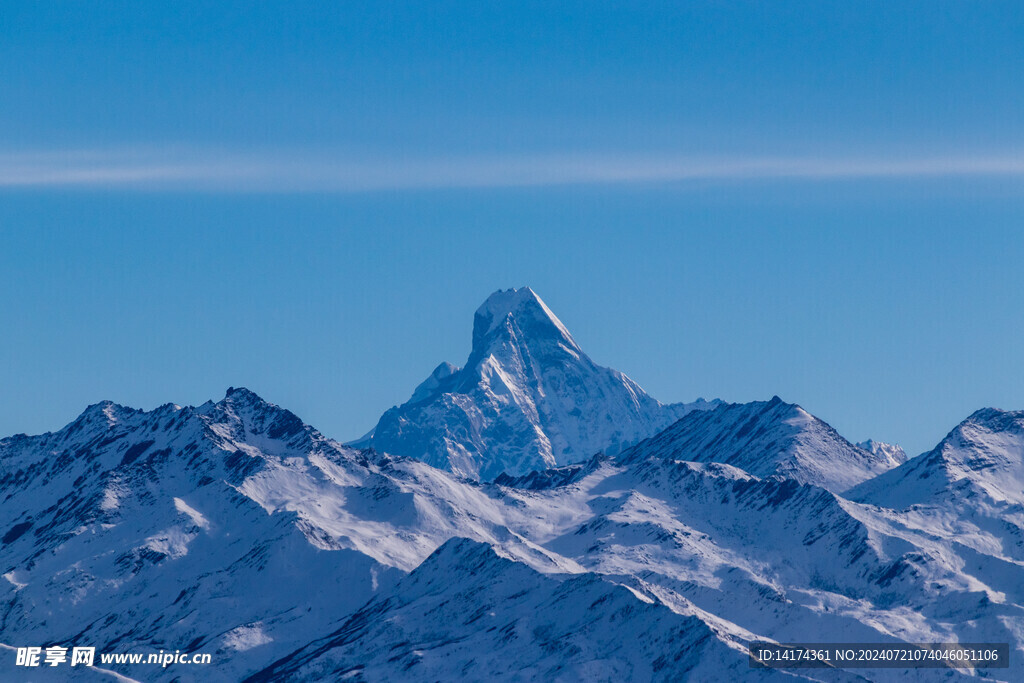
818 200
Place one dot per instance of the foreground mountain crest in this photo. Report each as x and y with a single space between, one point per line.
528 398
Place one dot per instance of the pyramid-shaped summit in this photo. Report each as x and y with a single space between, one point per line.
519 311
528 398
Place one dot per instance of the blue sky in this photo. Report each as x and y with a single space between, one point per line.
816 200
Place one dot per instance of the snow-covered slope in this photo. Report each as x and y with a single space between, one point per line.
768 437
231 528
891 451
970 486
235 529
468 613
527 399
983 457
772 557
746 557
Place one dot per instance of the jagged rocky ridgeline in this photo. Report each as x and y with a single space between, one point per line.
234 528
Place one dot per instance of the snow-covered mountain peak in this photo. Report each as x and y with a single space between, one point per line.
106 413
518 312
765 438
242 396
242 402
989 444
995 420
982 456
893 452
460 554
527 399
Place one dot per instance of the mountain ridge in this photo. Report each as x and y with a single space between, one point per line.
235 528
124 523
768 437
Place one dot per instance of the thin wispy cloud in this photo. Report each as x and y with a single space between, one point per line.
174 169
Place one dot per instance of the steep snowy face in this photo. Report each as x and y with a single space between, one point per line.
467 613
527 399
764 438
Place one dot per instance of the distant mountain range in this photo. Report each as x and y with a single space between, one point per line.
532 516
